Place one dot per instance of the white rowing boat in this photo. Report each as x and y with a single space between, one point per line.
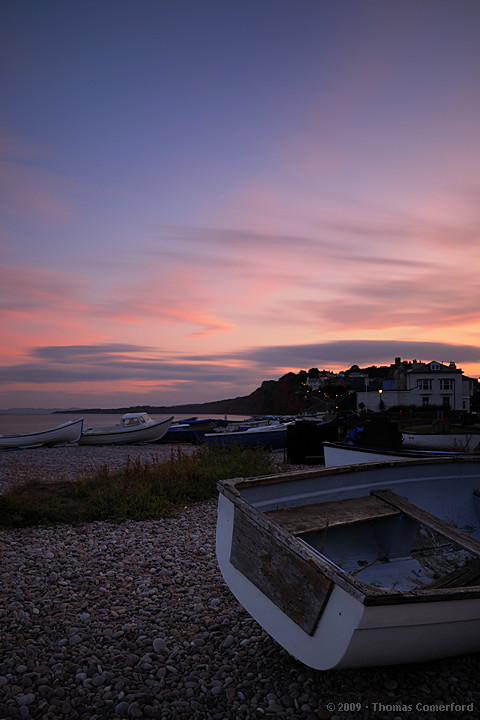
343 453
354 566
454 442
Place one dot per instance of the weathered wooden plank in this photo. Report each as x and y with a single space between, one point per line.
297 587
467 575
424 517
319 516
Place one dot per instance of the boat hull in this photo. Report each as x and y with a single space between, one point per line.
117 435
189 431
348 628
454 442
273 438
336 454
69 432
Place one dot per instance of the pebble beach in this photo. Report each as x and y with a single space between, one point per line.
134 620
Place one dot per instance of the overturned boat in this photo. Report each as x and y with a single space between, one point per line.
370 564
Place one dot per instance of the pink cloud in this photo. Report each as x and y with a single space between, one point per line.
23 289
38 305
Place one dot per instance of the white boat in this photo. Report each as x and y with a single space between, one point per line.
69 432
344 453
133 428
456 442
371 564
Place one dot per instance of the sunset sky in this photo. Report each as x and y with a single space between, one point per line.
197 196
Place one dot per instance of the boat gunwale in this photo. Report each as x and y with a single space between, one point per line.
245 482
367 594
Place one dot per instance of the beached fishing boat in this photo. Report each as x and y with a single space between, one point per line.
69 432
133 428
191 431
344 453
272 436
354 566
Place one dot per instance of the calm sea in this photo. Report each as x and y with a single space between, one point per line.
32 422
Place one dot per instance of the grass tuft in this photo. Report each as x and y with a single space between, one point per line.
142 490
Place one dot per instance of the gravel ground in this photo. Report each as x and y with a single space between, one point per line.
134 621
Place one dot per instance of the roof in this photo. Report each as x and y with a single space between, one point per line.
435 366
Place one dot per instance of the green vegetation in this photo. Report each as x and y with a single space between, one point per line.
140 491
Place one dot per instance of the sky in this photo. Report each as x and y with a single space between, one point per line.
196 196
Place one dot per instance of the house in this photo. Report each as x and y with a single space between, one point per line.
422 384
319 381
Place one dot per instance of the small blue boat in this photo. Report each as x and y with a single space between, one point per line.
273 437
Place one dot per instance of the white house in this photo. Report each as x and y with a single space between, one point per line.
423 384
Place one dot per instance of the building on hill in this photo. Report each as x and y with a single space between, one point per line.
421 384
319 381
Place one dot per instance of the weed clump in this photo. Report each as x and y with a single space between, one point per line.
141 490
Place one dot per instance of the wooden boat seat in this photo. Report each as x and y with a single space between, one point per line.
379 504
432 521
317 517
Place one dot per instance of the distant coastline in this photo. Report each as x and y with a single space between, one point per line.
215 407
273 397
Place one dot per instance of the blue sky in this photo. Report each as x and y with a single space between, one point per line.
195 197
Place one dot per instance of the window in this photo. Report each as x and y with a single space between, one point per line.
446 402
425 400
424 384
447 384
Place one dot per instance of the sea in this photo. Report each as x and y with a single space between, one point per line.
18 422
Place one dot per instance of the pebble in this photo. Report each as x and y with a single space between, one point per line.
107 621
159 645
